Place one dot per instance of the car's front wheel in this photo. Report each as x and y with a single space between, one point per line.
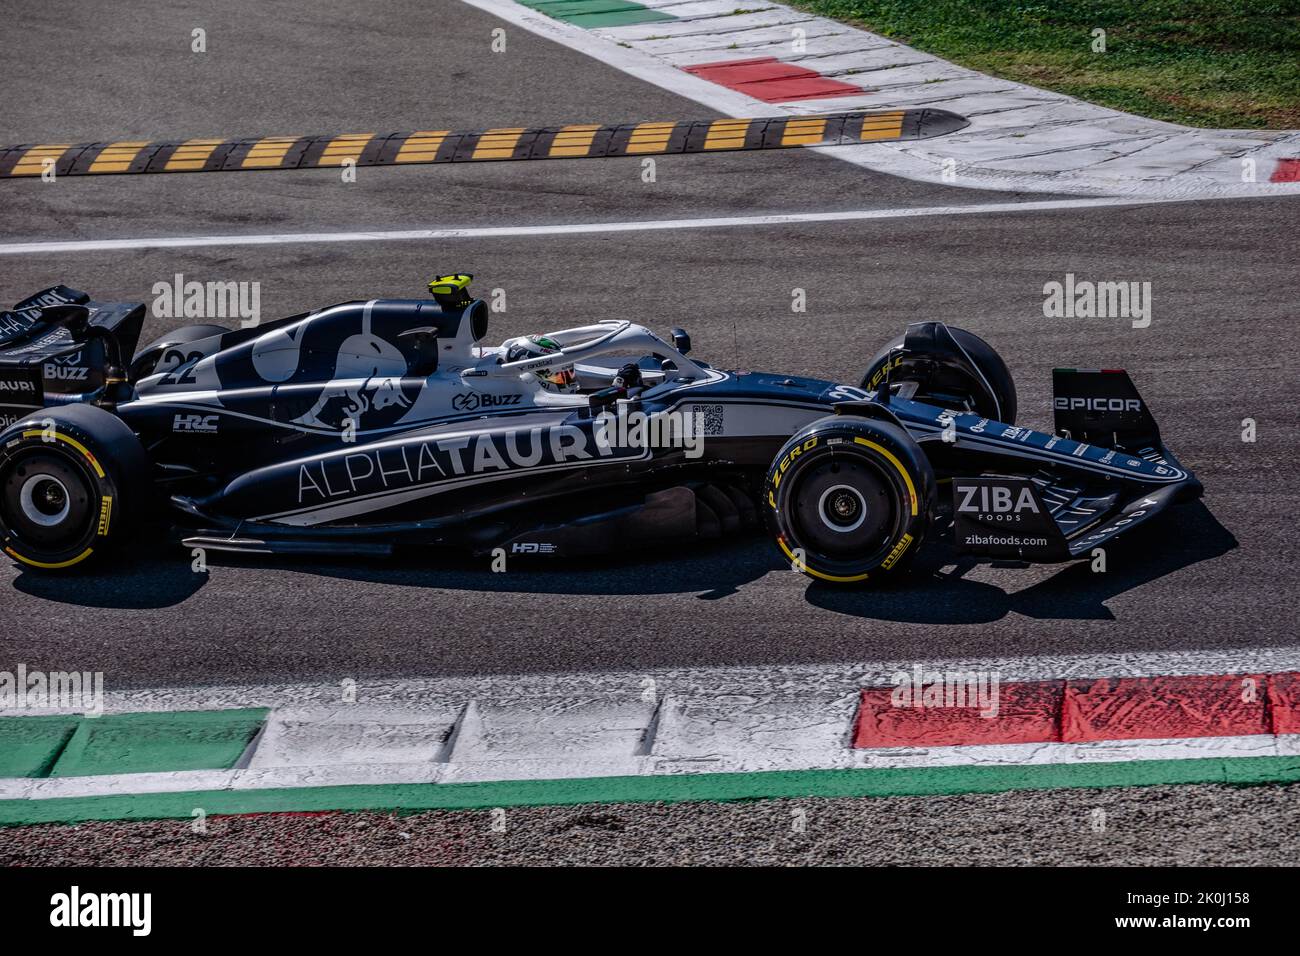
962 371
850 499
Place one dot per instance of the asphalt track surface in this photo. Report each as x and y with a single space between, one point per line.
1221 348
1146 826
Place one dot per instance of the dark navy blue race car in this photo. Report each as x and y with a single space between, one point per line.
367 426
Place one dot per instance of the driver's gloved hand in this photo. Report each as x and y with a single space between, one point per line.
629 376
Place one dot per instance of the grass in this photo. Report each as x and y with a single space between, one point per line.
1210 63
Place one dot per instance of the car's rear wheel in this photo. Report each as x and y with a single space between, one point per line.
942 381
74 482
850 499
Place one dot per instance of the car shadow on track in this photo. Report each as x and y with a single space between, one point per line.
160 578
711 571
1076 592
928 595
137 582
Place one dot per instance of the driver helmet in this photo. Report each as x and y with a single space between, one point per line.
531 346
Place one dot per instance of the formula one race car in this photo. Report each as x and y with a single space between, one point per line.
365 427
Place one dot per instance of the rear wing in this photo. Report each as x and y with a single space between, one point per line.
1102 407
59 347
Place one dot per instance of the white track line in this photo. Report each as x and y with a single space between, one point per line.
560 229
552 768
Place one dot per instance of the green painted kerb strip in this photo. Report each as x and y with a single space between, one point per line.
30 745
676 788
77 746
597 13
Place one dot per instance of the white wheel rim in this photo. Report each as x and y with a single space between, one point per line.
843 528
27 501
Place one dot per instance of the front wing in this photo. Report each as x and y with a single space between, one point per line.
1044 518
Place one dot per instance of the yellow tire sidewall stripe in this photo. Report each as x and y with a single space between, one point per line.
50 565
889 456
41 433
809 569
911 492
99 470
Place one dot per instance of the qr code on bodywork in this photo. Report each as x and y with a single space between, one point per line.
711 415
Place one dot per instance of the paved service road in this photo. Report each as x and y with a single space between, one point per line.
1221 348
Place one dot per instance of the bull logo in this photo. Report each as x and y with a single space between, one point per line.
356 401
351 381
368 378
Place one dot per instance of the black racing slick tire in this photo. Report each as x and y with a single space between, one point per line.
74 483
948 386
850 499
